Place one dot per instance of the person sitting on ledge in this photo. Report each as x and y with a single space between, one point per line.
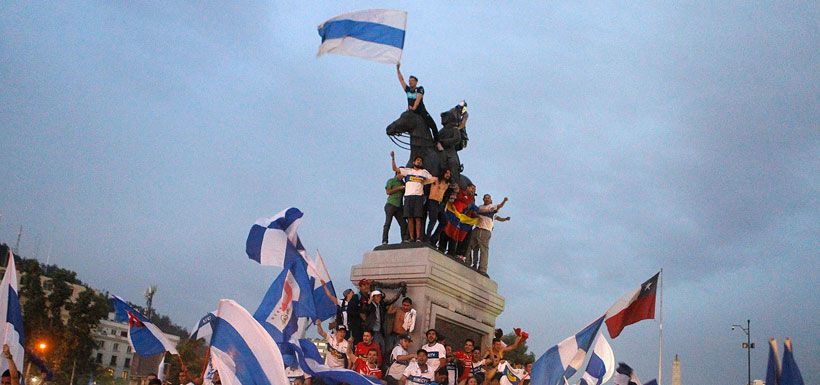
414 180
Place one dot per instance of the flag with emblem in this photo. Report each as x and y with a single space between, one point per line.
145 337
637 305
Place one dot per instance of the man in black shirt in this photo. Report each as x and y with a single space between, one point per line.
415 102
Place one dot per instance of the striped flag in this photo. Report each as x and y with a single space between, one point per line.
242 351
601 365
268 238
562 361
145 337
637 305
204 328
374 34
11 316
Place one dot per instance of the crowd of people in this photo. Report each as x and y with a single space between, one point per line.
363 338
434 208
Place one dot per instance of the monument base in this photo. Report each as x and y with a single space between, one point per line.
455 300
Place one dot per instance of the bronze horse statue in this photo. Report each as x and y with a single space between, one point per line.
422 144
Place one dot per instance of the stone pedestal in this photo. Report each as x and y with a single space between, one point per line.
448 296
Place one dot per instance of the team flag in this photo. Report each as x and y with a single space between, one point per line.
790 372
601 365
374 34
635 306
773 369
562 361
242 351
11 316
268 239
325 307
311 363
204 328
145 337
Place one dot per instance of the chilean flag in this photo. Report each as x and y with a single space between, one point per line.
633 307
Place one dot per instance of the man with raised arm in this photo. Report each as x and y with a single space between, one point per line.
415 102
414 180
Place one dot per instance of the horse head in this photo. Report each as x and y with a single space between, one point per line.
407 123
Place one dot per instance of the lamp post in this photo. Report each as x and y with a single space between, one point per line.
748 345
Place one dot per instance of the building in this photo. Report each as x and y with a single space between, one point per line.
676 371
113 348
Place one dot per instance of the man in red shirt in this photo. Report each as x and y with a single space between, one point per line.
465 358
363 348
367 365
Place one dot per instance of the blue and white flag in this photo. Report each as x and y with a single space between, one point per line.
325 307
311 362
601 365
242 351
146 338
268 239
11 316
773 367
204 328
790 374
374 34
287 307
562 361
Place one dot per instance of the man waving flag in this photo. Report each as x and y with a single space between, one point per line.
374 34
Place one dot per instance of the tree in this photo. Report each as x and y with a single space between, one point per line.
83 317
520 354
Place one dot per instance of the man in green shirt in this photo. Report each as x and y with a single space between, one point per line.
392 209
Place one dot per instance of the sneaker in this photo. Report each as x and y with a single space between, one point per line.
384 242
405 241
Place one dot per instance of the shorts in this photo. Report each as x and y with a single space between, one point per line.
413 206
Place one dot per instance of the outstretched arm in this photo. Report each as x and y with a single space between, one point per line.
502 219
320 330
393 161
500 205
15 375
401 78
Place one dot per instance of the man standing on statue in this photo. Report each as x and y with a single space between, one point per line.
414 180
480 238
415 94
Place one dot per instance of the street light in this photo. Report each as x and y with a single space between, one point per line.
748 345
42 346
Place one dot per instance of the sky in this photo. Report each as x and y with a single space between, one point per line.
140 141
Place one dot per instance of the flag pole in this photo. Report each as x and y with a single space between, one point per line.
660 333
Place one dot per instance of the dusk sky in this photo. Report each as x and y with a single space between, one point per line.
140 141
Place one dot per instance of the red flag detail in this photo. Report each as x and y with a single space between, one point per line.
635 306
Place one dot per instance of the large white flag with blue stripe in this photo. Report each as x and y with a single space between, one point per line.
373 34
562 361
242 351
11 316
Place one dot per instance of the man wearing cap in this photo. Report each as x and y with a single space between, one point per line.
399 359
376 311
337 346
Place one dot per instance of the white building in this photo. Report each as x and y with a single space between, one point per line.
113 348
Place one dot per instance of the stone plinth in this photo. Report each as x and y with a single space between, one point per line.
448 296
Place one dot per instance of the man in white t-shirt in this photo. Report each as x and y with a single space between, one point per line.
510 375
479 248
414 180
337 346
436 353
418 371
399 359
